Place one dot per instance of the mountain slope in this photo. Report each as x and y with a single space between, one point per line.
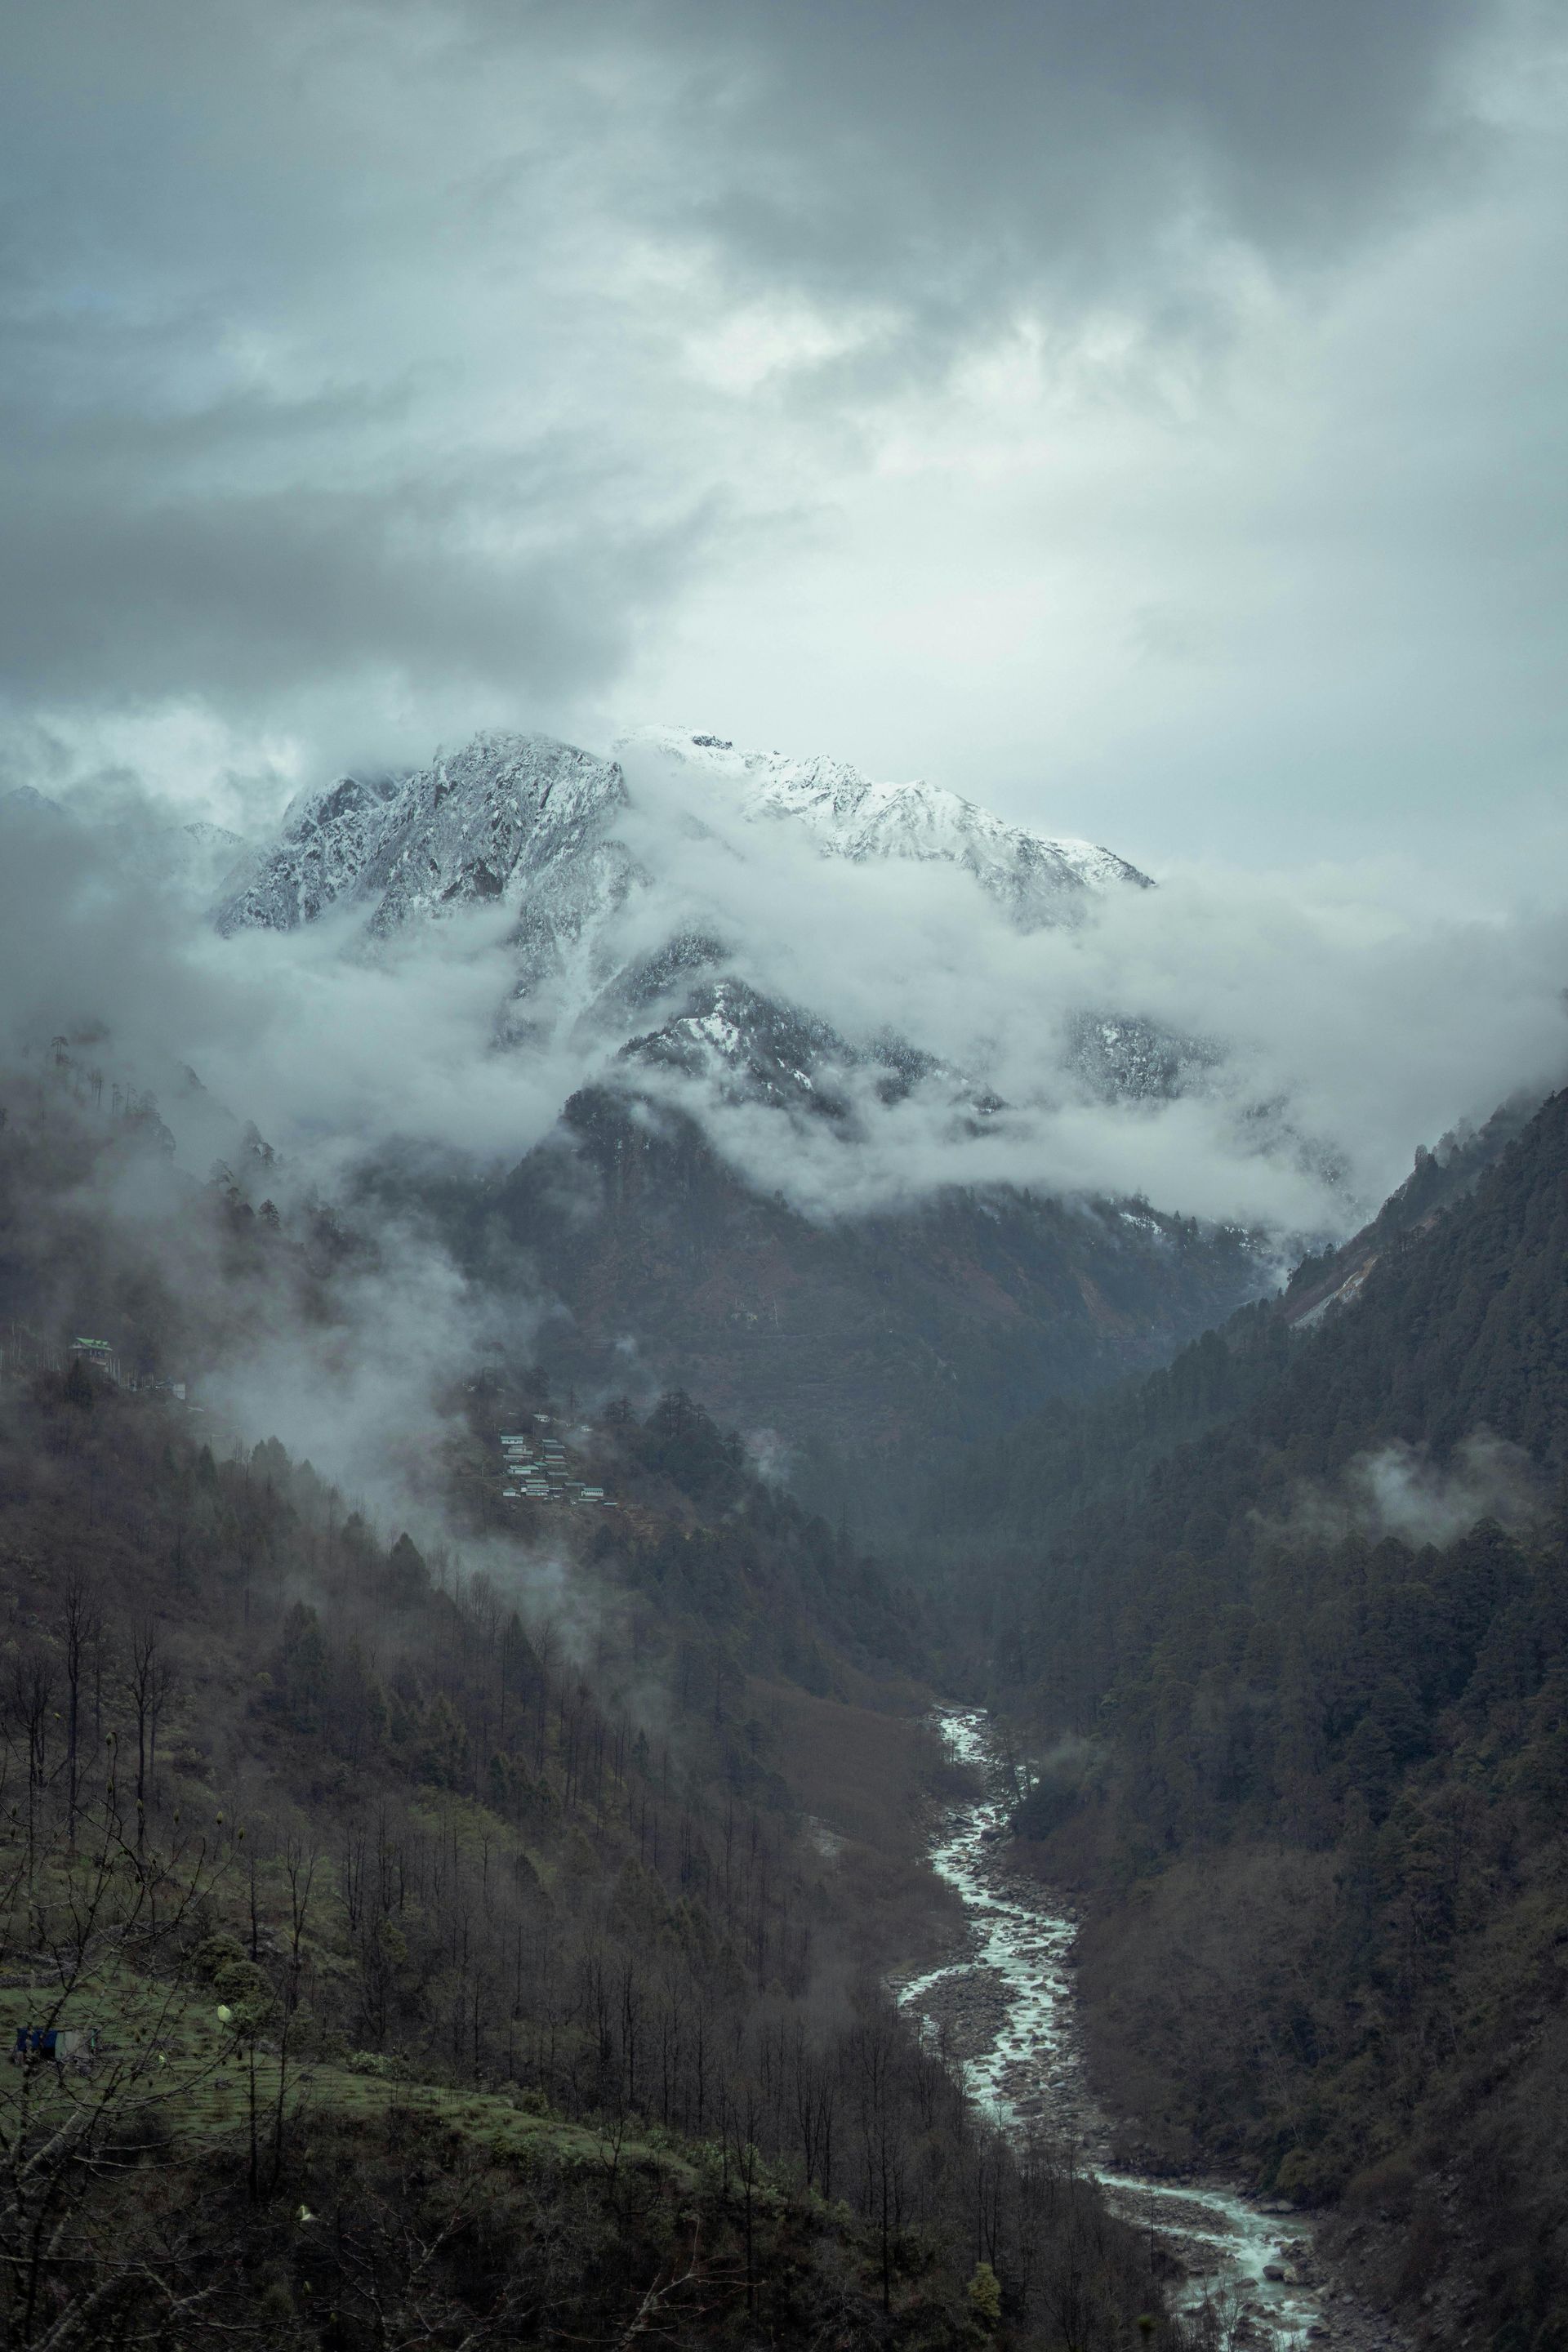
430 1945
888 1341
845 814
508 816
1319 1657
1021 1488
538 829
934 1320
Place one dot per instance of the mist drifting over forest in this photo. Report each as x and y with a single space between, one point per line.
784 1388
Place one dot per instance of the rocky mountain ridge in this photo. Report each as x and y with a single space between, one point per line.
1036 880
546 832
897 1330
510 813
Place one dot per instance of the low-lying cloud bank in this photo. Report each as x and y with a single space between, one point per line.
1400 1491
1336 1030
1350 1032
1350 1022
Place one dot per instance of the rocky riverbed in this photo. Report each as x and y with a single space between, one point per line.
1003 2011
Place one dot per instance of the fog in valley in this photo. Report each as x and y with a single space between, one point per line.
784 1288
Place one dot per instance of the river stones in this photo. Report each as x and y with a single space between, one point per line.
969 2008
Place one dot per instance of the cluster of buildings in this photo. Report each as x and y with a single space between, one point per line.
536 1471
100 1356
23 1355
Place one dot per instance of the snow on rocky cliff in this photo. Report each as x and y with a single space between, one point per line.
526 821
845 814
534 827
509 817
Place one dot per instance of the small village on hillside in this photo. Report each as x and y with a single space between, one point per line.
537 1470
531 1468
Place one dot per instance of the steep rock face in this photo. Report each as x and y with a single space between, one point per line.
515 818
751 1047
535 826
532 824
317 858
1036 880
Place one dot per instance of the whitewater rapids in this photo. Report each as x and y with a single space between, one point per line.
1006 2013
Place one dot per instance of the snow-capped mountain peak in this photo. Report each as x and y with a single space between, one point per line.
523 819
504 818
611 950
1039 879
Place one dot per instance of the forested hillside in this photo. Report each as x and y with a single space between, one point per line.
1307 1681
1020 1487
461 1965
875 1344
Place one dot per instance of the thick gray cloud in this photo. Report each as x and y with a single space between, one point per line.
237 594
950 156
1141 416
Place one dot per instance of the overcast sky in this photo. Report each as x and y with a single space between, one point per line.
1146 418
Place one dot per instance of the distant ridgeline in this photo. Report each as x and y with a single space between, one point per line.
1025 1485
1303 1666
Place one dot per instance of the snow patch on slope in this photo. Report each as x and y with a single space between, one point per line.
1038 879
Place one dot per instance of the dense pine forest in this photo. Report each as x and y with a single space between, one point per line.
1301 1688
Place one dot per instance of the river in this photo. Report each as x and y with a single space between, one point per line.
1004 2013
